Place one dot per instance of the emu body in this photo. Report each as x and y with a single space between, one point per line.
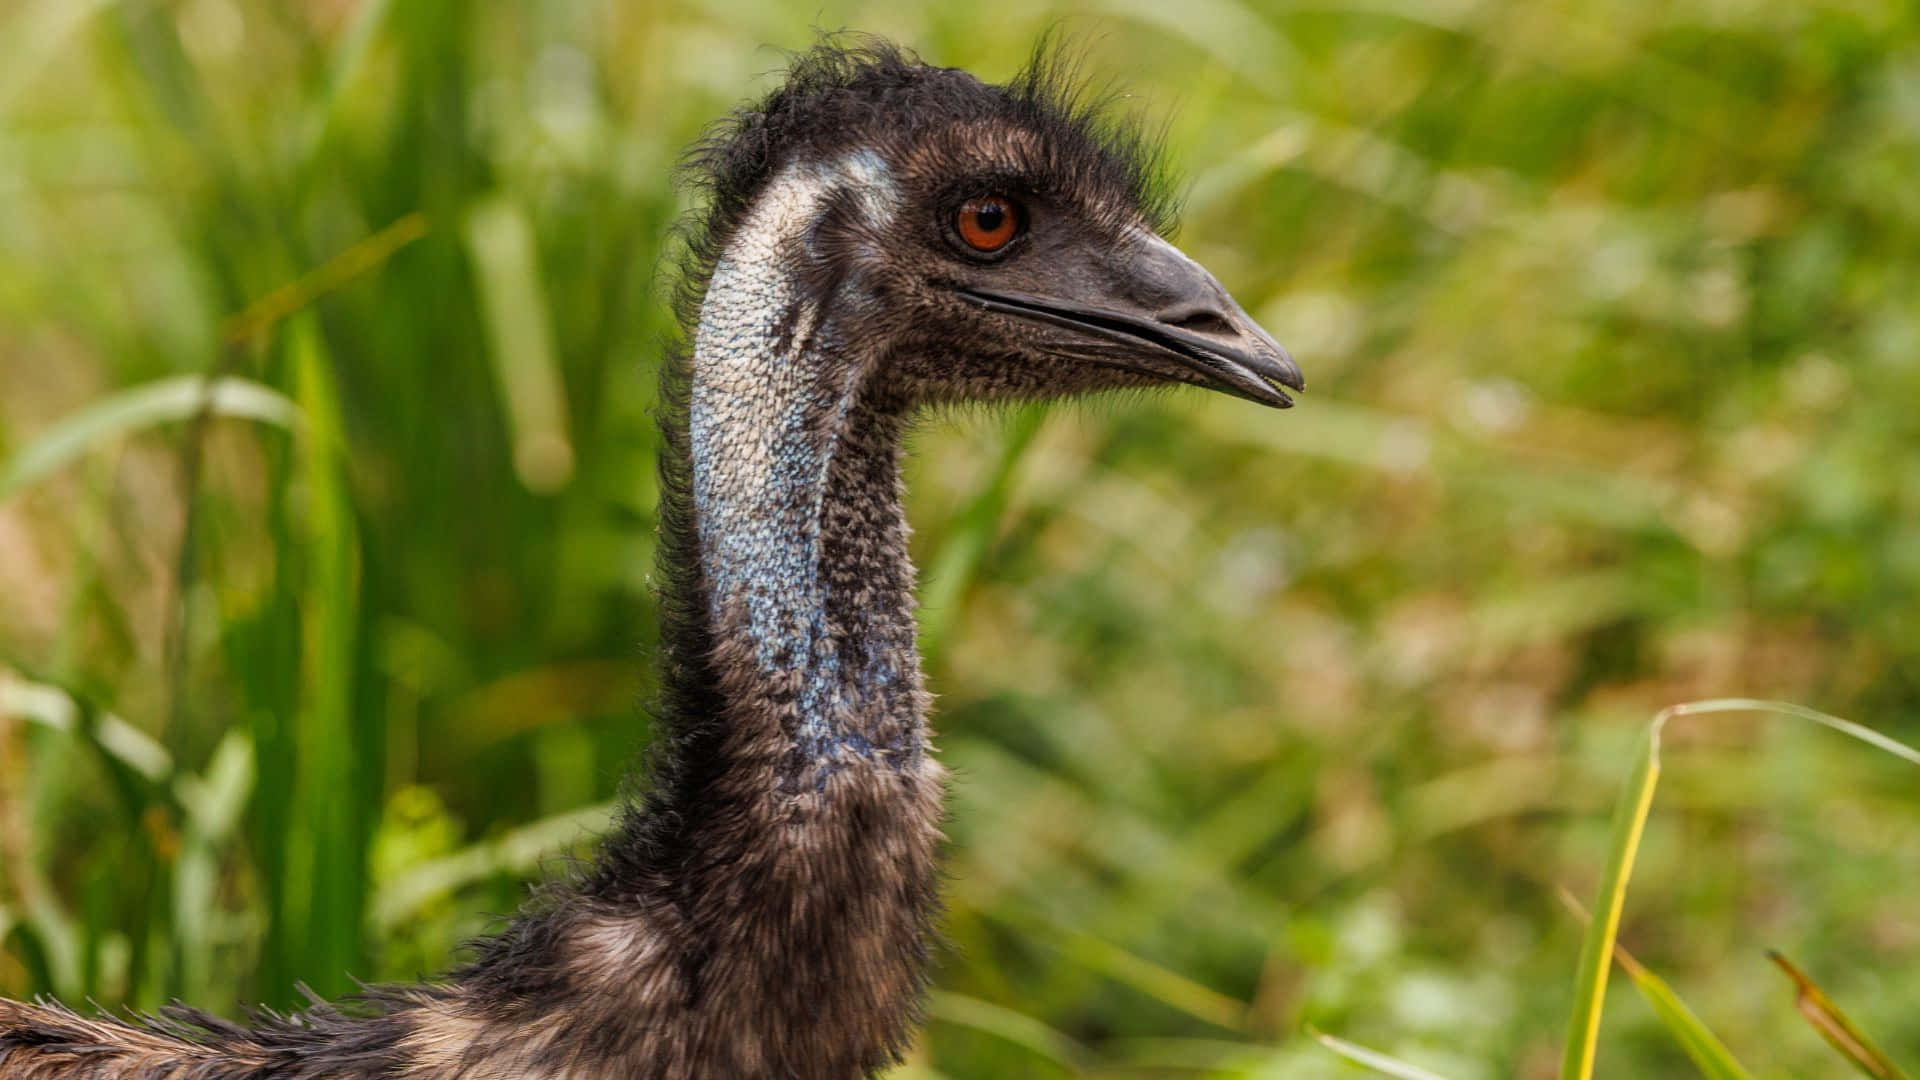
880 235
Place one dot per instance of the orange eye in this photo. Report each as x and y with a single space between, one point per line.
988 224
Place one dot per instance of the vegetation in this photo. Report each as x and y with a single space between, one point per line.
1259 722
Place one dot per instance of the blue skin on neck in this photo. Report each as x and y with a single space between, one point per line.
772 398
761 538
773 393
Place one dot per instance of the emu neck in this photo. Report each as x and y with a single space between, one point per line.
765 909
795 460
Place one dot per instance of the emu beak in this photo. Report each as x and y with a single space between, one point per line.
1153 308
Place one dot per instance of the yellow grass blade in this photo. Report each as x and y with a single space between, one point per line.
1629 821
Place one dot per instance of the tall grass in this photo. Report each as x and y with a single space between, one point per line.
1257 721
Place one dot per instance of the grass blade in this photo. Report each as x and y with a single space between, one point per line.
213 804
973 530
1015 1027
1163 984
349 57
178 398
1701 1045
500 241
1786 708
519 851
282 303
1629 823
1833 1025
327 866
1590 989
127 752
1372 1059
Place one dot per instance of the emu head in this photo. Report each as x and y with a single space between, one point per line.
969 241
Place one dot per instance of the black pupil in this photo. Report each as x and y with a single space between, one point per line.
988 217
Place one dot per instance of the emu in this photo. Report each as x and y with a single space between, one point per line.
879 236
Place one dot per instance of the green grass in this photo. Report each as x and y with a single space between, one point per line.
1258 721
1601 949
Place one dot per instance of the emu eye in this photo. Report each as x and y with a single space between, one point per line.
987 224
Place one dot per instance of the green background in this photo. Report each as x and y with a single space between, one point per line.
1610 315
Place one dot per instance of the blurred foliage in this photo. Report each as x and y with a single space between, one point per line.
1609 317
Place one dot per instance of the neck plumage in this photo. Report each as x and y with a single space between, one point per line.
766 908
802 543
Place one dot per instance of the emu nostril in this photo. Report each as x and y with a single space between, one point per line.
1200 321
